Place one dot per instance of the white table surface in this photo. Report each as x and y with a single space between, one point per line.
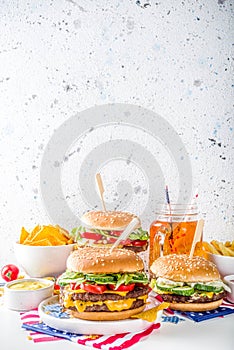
213 334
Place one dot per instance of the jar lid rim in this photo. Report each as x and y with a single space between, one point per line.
191 209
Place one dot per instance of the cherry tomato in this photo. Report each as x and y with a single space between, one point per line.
91 235
123 287
56 286
93 288
9 272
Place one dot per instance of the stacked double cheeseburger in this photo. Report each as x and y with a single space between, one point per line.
100 284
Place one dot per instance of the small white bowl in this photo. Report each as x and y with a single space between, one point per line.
225 264
43 261
26 299
229 280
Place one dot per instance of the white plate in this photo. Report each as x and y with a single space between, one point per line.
78 326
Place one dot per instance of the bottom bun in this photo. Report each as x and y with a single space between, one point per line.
106 316
196 306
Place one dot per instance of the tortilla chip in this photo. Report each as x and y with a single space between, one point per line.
42 242
23 236
151 314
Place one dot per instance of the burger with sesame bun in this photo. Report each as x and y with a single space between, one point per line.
105 227
188 284
100 284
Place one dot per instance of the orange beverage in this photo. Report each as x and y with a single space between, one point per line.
173 231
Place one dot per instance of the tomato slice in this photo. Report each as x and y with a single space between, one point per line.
93 288
126 242
111 240
123 287
138 243
91 235
115 233
141 285
9 272
74 286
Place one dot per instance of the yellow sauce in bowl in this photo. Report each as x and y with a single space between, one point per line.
28 285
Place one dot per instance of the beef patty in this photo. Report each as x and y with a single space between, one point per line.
104 308
173 298
136 249
137 292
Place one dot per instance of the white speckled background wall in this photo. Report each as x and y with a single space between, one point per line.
58 58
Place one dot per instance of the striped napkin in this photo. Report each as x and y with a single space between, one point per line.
40 332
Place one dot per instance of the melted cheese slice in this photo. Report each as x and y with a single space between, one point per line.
208 294
203 293
113 305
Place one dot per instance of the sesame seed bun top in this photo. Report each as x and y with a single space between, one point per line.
185 269
102 260
108 220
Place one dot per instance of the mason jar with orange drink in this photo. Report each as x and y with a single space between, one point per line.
173 230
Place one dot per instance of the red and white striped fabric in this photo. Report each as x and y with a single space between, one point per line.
31 321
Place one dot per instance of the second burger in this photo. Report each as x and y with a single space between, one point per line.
105 227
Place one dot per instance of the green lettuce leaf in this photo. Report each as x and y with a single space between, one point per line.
137 234
69 276
115 278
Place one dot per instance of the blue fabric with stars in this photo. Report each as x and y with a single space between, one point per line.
43 328
54 310
172 319
206 315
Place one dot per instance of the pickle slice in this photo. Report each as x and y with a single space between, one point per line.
207 288
165 287
185 291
